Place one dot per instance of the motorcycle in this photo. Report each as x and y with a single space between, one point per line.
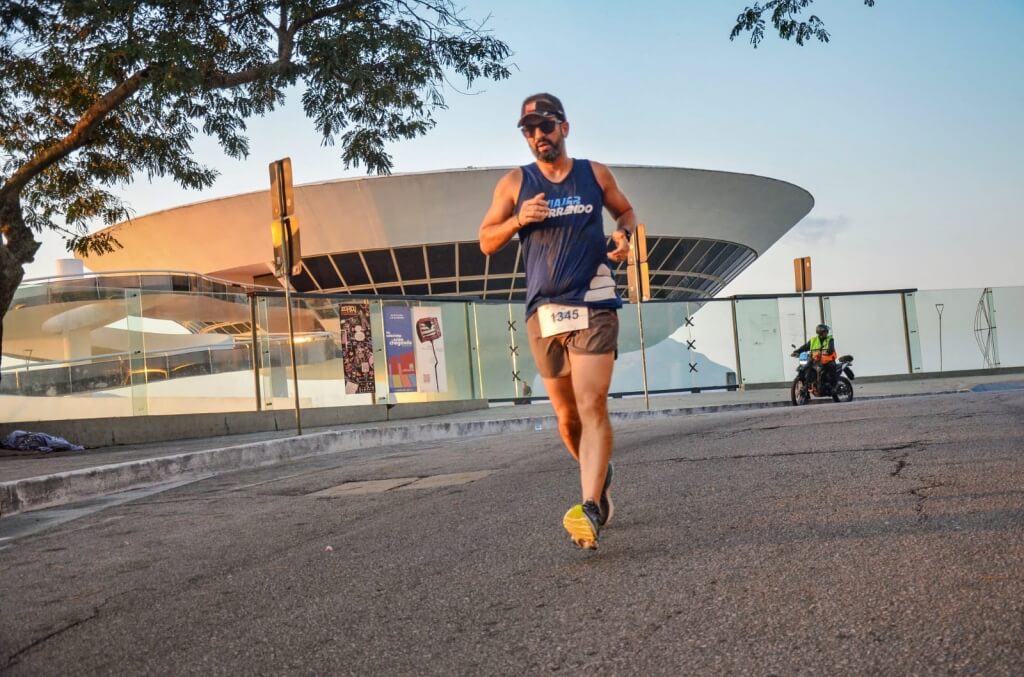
839 387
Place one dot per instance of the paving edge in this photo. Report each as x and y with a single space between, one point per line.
45 491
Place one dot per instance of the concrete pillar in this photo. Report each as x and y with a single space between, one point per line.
69 267
77 344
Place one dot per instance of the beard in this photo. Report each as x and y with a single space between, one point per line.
551 153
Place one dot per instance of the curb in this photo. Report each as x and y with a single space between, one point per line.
44 491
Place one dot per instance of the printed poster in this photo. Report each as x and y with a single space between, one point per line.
431 372
399 350
357 348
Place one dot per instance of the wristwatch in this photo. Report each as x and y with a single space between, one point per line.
627 232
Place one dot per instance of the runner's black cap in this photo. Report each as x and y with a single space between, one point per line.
541 106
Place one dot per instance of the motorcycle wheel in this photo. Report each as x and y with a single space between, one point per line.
798 393
843 390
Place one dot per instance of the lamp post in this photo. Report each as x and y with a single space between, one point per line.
938 309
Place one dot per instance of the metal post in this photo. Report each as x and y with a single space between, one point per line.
640 321
384 350
255 351
137 376
479 358
803 310
906 333
291 330
736 347
938 309
992 325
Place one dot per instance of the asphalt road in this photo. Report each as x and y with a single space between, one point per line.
881 537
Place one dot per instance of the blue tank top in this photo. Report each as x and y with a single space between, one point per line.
566 255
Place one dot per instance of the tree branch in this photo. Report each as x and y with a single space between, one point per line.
285 45
301 23
79 135
217 80
268 22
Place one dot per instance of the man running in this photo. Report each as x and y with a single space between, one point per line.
555 207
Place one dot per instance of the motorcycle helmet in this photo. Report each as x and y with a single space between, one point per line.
821 330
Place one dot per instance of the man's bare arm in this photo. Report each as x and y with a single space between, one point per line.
617 204
615 201
500 223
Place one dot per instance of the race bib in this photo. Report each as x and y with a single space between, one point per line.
557 319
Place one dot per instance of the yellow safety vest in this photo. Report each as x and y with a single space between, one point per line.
818 348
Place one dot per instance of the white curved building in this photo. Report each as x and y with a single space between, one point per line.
169 323
415 234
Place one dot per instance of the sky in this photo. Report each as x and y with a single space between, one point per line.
906 127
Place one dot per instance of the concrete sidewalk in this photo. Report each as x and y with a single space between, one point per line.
32 481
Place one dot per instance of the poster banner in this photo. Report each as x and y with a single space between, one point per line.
398 347
356 348
431 372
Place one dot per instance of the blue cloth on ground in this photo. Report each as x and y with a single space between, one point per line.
21 440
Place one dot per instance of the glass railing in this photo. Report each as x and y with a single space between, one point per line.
154 342
888 333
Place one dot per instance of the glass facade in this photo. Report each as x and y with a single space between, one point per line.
138 344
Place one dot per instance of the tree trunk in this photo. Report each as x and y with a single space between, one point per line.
17 247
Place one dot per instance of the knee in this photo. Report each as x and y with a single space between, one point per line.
593 407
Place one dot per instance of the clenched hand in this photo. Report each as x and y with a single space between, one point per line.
533 210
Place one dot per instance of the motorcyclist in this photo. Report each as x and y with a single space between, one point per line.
822 349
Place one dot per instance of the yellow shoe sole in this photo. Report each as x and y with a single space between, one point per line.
580 529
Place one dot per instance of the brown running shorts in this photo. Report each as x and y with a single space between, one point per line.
601 336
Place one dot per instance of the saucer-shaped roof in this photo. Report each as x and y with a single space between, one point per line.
415 234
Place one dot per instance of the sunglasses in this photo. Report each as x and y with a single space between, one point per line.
546 127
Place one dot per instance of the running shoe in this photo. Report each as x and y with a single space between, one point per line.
606 505
583 522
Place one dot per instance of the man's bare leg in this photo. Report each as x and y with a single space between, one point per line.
563 400
591 377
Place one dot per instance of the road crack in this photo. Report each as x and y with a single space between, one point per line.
920 498
779 454
15 658
901 460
